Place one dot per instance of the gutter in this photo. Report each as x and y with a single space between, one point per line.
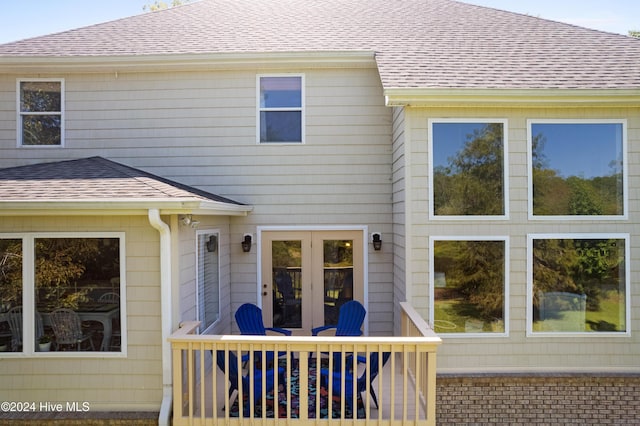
540 98
166 308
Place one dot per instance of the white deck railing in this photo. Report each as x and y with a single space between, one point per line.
405 386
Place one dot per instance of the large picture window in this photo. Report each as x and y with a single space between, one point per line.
280 109
208 279
577 169
578 283
468 169
469 290
40 112
74 293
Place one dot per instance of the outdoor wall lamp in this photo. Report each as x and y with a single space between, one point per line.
187 220
376 239
212 244
246 243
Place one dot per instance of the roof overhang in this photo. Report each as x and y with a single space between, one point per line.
120 207
541 98
188 62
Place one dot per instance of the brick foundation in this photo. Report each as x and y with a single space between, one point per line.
541 400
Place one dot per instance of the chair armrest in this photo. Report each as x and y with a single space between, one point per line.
315 331
279 330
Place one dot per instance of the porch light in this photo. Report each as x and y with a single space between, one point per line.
246 243
376 239
187 220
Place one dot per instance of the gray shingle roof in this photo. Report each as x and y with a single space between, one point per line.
418 43
93 179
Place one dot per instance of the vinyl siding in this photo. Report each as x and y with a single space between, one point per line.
399 170
123 384
517 352
199 128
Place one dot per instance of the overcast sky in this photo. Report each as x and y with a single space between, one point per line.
28 18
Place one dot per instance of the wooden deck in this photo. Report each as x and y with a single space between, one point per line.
405 387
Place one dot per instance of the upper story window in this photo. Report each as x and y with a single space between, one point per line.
40 112
468 175
281 109
577 169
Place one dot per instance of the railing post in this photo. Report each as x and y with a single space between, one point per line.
413 356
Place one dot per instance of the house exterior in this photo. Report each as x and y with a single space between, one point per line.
494 154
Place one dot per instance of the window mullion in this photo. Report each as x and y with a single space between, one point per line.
28 294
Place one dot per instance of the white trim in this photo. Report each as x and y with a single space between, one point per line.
301 108
625 170
19 113
28 295
505 172
215 232
490 98
505 307
190 62
365 255
577 236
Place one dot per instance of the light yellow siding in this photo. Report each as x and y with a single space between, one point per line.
517 352
199 128
126 383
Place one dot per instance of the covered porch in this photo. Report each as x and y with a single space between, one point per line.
307 390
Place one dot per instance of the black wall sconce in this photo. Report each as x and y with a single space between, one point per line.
376 239
246 243
212 244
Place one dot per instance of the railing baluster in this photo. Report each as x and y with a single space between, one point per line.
413 356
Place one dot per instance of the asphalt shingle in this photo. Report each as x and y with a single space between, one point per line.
417 43
94 178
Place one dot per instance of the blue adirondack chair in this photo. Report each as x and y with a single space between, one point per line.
255 373
339 381
249 320
350 321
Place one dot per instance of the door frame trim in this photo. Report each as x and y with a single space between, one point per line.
365 255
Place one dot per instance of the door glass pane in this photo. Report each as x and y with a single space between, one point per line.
287 283
338 277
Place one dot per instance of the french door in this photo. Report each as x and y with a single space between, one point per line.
308 275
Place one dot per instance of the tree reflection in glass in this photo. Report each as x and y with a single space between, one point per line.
468 169
577 169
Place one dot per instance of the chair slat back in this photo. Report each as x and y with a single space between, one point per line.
350 319
249 320
66 326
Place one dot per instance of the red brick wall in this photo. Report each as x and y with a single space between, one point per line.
526 400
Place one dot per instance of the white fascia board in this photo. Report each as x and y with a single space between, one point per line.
120 207
543 98
188 62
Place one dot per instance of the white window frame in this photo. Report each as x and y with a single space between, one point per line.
625 171
505 178
20 114
582 334
464 335
28 296
199 233
302 108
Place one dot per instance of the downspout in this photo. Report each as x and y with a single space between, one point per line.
166 312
